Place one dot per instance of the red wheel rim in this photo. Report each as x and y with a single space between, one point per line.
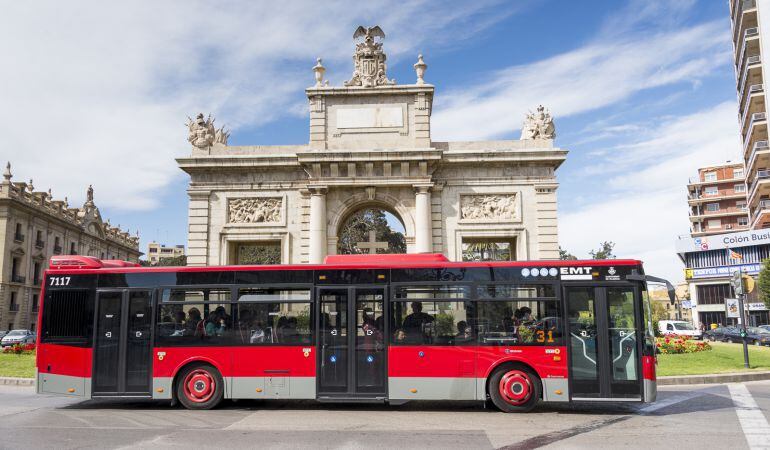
199 386
515 387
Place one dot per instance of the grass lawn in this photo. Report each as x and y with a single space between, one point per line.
22 366
722 358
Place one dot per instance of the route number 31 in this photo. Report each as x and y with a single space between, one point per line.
60 281
543 336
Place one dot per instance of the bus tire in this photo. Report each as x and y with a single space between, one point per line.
514 388
199 386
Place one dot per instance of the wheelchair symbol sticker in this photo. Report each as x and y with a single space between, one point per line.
333 358
370 359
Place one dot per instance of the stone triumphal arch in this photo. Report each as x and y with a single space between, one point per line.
370 146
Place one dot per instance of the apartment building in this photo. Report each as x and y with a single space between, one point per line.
717 200
156 252
750 33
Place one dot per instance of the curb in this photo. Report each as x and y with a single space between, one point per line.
17 381
715 378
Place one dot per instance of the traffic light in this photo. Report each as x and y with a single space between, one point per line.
737 282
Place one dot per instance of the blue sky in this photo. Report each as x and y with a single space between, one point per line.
643 92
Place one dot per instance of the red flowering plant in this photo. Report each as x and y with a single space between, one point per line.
20 349
674 345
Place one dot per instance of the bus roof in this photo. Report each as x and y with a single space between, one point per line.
89 264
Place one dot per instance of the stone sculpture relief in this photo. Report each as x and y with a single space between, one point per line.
202 133
538 125
491 207
369 69
254 210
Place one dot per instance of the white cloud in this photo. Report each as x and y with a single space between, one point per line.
610 69
97 92
645 205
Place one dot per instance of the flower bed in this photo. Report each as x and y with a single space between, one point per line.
673 345
20 349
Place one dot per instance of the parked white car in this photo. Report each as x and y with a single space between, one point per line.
18 337
679 328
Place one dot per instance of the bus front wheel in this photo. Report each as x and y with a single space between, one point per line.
514 388
199 386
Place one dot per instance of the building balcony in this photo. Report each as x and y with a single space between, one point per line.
746 98
725 212
761 216
746 17
39 244
729 194
761 182
18 237
750 39
695 182
57 249
14 308
18 279
757 131
752 70
755 105
759 156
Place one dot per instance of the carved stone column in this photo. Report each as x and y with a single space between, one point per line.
423 237
317 230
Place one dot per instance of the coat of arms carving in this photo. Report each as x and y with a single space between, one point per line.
370 69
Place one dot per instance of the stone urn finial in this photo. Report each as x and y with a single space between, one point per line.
30 185
7 174
420 67
319 70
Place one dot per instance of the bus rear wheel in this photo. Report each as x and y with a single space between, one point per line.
200 386
514 388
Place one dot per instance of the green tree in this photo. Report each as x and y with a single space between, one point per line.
658 313
357 227
763 282
167 262
604 251
564 254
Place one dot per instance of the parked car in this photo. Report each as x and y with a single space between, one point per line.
18 337
765 327
678 328
754 335
3 333
719 334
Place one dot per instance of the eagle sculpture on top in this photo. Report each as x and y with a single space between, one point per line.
369 32
369 59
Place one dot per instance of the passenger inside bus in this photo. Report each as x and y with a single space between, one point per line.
414 323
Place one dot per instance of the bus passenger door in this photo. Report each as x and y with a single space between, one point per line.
122 364
352 359
605 342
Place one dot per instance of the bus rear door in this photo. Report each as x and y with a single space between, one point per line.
605 342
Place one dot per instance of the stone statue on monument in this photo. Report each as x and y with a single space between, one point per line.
538 125
201 131
369 69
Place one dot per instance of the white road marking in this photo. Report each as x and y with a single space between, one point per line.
753 422
660 404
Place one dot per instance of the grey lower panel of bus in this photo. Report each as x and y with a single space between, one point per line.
650 391
49 383
552 387
434 388
162 388
249 387
273 387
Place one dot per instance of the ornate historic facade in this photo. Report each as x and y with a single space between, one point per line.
370 147
35 226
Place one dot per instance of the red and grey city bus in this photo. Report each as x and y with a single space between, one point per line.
358 328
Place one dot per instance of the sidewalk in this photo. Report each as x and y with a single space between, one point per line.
17 381
732 377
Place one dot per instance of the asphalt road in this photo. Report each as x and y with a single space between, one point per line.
706 417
